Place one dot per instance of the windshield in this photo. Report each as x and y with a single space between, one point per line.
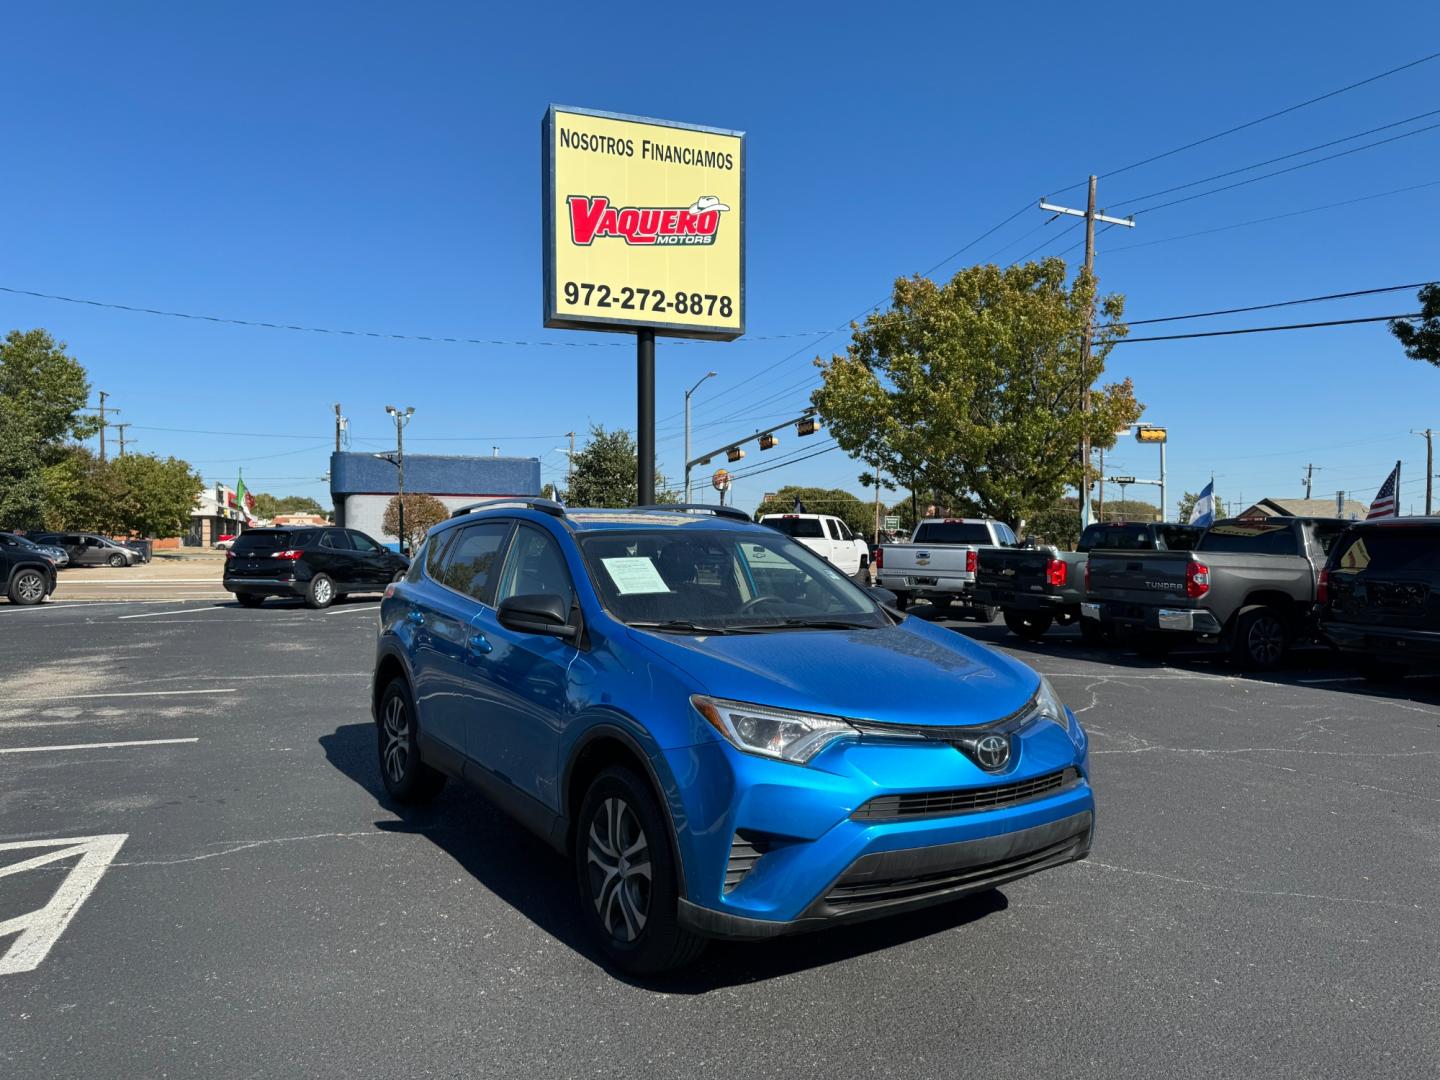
1249 538
952 532
795 526
696 581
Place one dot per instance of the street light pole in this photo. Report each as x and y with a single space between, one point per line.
707 375
401 419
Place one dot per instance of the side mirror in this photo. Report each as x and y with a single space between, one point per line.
543 613
883 596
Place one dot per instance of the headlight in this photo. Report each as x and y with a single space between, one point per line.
776 733
1048 704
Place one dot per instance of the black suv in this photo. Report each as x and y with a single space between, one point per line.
1380 596
316 563
27 575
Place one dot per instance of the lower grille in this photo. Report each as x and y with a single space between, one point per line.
871 892
964 800
743 857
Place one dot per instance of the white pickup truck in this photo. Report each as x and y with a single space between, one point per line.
940 561
826 536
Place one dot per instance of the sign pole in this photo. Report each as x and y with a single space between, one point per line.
645 416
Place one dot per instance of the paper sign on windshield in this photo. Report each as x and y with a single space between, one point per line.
634 574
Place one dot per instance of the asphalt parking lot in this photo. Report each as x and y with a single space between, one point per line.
231 894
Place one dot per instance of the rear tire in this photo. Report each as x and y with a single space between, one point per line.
1027 624
407 778
1092 632
625 871
320 593
1261 639
249 599
27 587
984 613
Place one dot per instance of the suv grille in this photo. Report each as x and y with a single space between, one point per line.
964 800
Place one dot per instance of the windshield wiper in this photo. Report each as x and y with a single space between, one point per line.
685 626
802 622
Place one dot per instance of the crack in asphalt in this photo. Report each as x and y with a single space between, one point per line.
1208 886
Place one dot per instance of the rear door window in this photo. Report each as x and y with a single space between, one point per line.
335 540
473 559
833 529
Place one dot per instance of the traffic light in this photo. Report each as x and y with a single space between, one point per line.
1151 435
734 454
767 441
808 426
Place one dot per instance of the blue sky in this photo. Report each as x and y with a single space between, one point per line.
375 167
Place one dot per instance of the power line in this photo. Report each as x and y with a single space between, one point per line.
1282 157
1278 304
1267 329
1270 116
783 464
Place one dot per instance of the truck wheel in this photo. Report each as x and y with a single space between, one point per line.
902 601
1260 639
1093 632
1028 624
984 613
27 587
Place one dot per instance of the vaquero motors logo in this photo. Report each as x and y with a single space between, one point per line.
696 224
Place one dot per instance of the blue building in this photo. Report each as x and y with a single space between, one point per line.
362 485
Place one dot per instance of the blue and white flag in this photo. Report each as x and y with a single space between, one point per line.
1203 512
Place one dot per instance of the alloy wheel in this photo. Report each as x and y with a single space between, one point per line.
396 731
323 592
618 856
1267 641
30 587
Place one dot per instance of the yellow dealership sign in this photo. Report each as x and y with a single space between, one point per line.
644 225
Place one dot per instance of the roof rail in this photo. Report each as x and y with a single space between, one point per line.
545 506
699 508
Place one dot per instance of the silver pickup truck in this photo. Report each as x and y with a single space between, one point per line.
940 561
1249 586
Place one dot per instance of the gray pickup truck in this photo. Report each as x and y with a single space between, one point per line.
1037 587
1249 586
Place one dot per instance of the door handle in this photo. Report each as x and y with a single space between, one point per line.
479 643
415 617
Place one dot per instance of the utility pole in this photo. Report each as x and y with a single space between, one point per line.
402 417
570 467
1090 216
103 396
707 375
121 428
1310 471
1429 436
339 426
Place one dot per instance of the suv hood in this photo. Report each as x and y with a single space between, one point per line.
912 673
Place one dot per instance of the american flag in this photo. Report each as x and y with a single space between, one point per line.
1387 499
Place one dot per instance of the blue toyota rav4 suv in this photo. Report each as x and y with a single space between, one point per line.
727 736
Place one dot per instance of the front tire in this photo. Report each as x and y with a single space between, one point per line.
320 593
625 870
1029 625
117 560
407 778
27 587
984 613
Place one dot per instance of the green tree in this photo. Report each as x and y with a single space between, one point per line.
1422 342
267 505
422 513
605 472
1058 524
155 494
856 513
1130 510
971 389
42 394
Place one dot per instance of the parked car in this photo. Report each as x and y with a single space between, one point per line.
226 542
940 562
728 736
1037 587
56 555
88 549
319 565
827 536
27 575
1250 586
1380 596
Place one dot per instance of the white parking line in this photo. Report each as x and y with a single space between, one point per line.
39 929
372 608
179 611
92 745
125 693
149 583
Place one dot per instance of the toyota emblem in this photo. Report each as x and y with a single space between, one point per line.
992 752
